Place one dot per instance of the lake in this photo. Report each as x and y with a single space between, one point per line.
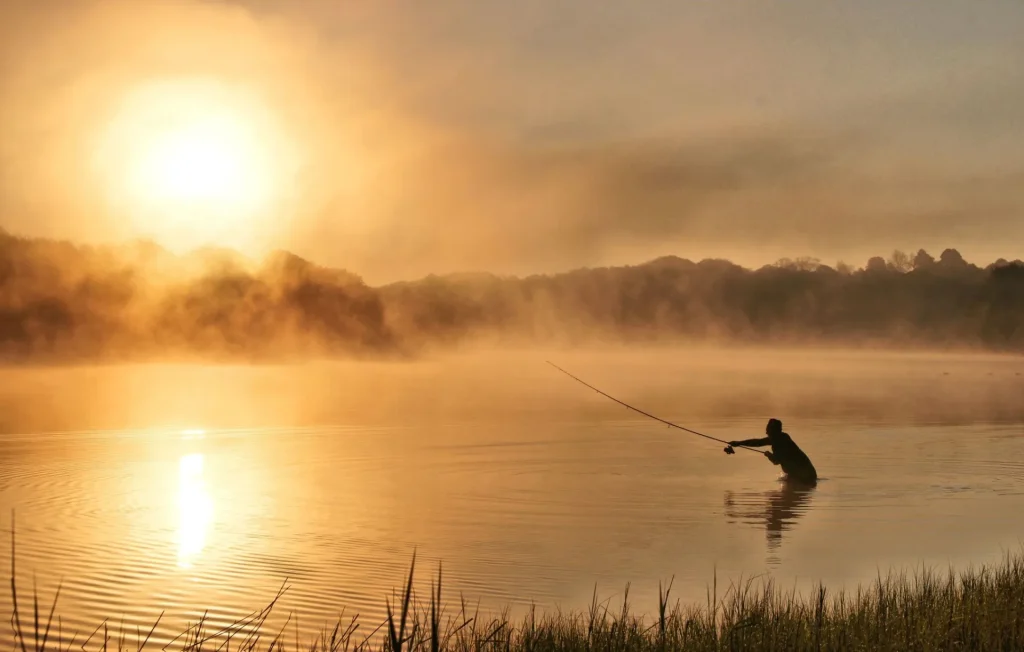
186 488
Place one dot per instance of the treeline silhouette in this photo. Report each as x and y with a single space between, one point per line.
59 301
903 300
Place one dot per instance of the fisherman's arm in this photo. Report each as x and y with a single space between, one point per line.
751 442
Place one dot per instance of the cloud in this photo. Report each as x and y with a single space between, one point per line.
514 207
536 136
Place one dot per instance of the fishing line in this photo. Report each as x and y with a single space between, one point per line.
648 414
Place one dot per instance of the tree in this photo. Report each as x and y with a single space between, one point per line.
901 262
952 258
876 264
923 260
807 264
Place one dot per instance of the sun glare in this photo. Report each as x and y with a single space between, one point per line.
194 162
195 509
198 162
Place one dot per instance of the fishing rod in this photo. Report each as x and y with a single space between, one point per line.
728 449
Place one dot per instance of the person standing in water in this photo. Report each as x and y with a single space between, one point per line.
785 453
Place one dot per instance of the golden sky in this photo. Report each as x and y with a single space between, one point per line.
397 139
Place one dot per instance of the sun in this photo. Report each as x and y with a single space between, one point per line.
194 162
199 162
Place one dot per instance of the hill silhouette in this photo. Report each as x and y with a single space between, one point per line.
66 302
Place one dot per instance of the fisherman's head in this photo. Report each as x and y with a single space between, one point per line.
773 428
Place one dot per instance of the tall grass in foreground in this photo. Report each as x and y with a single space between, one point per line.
979 609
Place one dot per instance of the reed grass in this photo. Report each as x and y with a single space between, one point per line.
978 609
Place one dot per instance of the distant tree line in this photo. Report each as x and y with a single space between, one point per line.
903 300
60 302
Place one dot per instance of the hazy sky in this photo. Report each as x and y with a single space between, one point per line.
536 136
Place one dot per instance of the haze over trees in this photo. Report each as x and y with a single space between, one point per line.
62 302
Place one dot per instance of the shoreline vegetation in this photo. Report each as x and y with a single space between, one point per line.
978 609
67 303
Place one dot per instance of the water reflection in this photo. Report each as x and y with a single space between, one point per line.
195 509
776 510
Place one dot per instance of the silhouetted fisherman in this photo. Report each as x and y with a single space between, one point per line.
785 453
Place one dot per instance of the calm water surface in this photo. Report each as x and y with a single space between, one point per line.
192 488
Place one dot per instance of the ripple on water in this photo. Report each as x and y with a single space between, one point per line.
134 525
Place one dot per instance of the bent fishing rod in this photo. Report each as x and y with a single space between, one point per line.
728 448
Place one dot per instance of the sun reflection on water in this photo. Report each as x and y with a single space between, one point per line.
195 509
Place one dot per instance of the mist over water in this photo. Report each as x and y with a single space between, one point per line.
194 487
65 303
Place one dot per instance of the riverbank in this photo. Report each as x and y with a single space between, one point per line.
971 609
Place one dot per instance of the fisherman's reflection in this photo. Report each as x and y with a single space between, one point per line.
776 510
